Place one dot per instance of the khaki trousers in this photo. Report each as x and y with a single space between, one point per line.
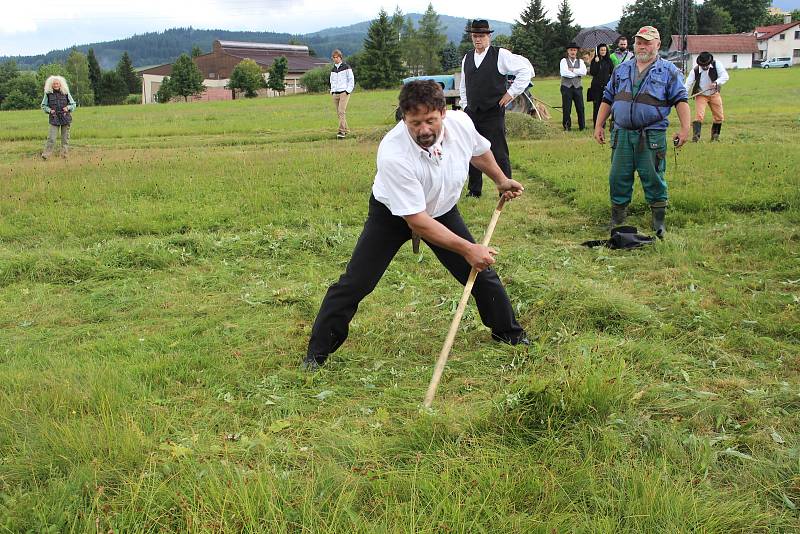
51 139
714 102
340 103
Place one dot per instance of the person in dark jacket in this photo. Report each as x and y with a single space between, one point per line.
600 69
59 105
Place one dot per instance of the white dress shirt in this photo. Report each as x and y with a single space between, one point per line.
508 64
566 73
412 179
705 79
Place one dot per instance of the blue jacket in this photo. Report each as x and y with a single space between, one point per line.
660 90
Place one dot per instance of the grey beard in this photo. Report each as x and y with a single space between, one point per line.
644 57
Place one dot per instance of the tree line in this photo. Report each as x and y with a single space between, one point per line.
394 48
88 83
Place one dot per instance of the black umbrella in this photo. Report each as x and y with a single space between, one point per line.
591 37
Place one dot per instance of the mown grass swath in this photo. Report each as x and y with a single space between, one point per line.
158 289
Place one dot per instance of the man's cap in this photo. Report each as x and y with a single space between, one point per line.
480 26
705 58
648 33
573 44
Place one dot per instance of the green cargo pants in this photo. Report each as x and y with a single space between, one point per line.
645 153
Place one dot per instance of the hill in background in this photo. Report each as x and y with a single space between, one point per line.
156 48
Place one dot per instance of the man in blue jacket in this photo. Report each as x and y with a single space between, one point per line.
641 93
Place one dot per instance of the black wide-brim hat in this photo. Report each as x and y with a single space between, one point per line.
573 44
480 26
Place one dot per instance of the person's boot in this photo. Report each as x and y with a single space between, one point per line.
618 214
659 213
715 130
697 126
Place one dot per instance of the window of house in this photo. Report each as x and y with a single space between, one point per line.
796 52
211 75
797 35
734 58
783 37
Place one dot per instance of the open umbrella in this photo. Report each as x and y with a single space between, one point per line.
591 37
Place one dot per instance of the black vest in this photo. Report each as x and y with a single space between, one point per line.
58 101
485 85
712 73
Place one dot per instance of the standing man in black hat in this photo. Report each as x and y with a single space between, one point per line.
572 69
485 94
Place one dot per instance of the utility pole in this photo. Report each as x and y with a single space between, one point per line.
683 30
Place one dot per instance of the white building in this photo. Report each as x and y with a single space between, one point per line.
780 40
734 51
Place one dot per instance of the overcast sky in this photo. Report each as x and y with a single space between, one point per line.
34 27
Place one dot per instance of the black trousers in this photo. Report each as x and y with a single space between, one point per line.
491 124
381 238
596 101
568 96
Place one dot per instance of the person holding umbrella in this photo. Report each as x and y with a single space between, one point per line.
600 69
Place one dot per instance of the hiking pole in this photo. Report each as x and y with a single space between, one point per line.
462 305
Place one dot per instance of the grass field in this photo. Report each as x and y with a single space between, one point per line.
159 286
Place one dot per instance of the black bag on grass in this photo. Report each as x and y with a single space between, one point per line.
622 237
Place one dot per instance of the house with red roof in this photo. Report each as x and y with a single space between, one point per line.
735 51
218 65
779 40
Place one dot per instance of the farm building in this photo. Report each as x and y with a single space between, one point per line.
735 51
780 40
218 65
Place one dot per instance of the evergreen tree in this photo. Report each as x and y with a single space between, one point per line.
197 52
95 74
78 78
277 74
674 21
465 45
745 14
8 71
529 34
451 61
432 40
398 21
645 13
113 88
381 62
164 93
411 48
713 20
563 32
247 77
502 41
24 92
126 71
186 79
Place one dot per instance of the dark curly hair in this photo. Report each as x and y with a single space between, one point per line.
421 93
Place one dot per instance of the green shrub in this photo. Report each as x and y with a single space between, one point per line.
133 99
316 80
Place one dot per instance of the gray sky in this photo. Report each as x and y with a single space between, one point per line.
35 27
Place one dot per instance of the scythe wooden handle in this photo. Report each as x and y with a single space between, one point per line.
462 305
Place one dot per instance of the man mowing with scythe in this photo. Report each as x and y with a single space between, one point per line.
422 167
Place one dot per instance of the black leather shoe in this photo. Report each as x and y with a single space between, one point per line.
312 363
473 194
521 340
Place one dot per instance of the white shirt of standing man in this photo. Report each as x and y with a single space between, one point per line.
507 63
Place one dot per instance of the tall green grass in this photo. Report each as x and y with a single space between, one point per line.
158 290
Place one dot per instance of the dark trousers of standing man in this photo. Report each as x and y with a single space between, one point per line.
381 238
568 96
491 124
